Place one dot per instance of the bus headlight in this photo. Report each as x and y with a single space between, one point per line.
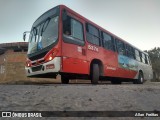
28 63
51 55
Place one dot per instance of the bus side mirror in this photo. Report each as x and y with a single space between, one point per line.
24 35
64 15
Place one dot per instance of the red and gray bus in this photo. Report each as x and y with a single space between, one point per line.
63 42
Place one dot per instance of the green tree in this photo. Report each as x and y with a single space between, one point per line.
155 60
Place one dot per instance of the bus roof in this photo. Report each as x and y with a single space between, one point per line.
99 27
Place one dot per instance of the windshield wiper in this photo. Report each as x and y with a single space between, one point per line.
45 25
34 31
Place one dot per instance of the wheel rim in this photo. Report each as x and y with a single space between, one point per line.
141 79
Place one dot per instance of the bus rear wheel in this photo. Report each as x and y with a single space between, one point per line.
140 79
64 79
95 74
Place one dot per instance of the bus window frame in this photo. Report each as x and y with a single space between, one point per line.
140 55
112 41
146 59
130 54
99 35
143 57
72 39
118 40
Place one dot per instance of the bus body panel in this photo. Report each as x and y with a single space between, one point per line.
111 62
74 56
146 69
74 59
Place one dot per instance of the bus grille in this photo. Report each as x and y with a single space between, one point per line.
37 68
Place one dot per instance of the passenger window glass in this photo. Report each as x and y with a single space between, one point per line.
146 59
140 54
130 51
137 55
92 35
76 29
120 47
143 58
93 30
73 31
108 42
67 26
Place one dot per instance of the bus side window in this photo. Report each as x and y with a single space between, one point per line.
72 27
67 26
143 57
133 53
137 55
73 31
140 54
146 59
76 29
130 51
108 41
149 61
120 47
93 35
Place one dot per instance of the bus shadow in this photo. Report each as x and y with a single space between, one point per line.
58 83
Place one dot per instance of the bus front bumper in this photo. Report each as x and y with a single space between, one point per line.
45 70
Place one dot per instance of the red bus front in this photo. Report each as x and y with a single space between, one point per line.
52 50
44 50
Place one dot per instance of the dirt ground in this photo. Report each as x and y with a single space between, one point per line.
81 97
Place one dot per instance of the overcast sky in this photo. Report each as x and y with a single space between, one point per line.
136 21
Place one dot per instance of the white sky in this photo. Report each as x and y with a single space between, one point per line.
136 21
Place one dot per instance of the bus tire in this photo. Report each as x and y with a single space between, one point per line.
64 79
140 79
114 81
95 74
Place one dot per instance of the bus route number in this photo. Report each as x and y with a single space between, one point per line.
93 48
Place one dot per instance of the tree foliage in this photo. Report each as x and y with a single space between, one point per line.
155 60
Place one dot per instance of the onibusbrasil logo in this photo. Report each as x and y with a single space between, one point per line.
21 114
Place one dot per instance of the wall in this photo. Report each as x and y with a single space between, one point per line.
12 66
2 67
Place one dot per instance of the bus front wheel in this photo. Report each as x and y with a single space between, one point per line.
95 74
64 79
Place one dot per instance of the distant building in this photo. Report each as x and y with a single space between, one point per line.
12 61
16 46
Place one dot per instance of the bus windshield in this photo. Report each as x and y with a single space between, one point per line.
43 35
